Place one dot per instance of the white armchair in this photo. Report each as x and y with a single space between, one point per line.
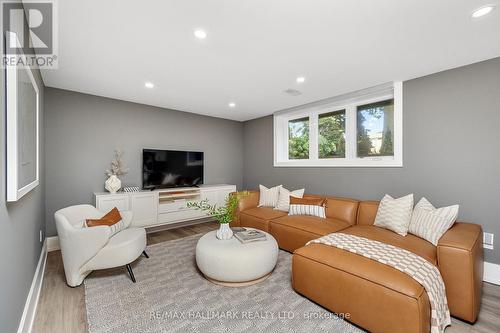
87 249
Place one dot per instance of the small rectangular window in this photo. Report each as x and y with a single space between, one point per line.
363 128
375 129
298 139
331 135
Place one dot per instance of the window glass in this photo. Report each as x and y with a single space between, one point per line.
375 129
331 131
298 139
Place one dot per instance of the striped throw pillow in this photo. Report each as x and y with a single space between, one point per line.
431 223
395 214
269 196
313 207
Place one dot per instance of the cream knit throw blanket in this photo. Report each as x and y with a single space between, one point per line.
405 261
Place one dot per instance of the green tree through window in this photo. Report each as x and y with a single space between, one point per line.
331 139
298 138
375 128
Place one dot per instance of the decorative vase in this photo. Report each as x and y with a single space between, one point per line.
113 184
224 232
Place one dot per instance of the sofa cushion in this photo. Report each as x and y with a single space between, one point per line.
409 242
342 209
367 212
295 231
264 213
312 224
378 297
259 217
460 256
360 266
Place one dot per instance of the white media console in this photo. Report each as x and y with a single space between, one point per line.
164 206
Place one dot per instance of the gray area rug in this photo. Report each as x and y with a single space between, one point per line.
172 296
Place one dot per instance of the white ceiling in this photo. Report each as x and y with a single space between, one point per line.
255 49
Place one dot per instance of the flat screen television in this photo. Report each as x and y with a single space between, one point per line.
171 168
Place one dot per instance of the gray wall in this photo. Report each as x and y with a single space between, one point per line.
20 224
451 150
82 132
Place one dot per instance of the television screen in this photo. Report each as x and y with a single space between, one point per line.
171 168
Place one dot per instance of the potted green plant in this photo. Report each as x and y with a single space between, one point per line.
222 214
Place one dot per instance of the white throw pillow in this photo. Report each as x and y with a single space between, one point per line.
284 198
269 196
431 223
395 214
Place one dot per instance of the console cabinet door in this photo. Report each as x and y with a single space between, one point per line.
211 196
107 202
222 196
144 206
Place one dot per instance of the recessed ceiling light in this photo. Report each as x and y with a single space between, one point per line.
301 79
482 11
149 85
200 34
232 105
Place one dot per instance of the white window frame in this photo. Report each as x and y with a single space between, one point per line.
349 103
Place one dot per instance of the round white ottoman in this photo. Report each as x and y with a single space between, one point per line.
231 263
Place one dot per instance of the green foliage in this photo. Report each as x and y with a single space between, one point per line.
363 140
298 139
298 148
331 135
223 214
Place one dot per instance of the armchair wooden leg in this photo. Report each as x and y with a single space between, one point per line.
145 254
130 272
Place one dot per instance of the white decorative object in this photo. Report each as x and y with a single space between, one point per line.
234 264
22 126
118 168
224 232
113 184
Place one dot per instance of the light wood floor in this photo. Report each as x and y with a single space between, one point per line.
61 309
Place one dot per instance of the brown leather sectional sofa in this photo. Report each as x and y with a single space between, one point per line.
377 297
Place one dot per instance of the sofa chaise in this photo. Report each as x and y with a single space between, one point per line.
377 297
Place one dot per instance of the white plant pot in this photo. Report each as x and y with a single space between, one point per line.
113 184
224 232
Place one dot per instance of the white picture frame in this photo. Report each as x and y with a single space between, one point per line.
23 126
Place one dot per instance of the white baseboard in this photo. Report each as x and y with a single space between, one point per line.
52 243
491 273
29 312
